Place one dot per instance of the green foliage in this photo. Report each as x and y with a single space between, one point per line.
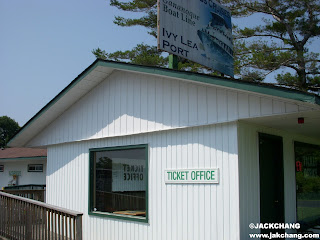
288 79
280 42
149 7
141 54
144 54
307 185
8 128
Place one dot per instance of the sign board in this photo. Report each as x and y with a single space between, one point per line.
198 30
192 175
14 173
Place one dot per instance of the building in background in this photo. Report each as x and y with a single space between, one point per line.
22 166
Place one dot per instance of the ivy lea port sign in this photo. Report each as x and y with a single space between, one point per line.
192 175
198 30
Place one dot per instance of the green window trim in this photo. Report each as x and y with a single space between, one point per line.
91 191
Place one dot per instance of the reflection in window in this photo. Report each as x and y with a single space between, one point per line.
119 181
307 159
1 168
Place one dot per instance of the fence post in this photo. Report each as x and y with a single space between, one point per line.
78 227
29 220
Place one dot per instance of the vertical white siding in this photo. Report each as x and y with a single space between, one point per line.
176 211
248 179
249 174
127 103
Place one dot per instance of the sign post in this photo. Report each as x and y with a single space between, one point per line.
173 62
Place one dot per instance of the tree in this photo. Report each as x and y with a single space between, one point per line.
141 54
8 128
280 42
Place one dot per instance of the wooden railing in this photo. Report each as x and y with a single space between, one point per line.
22 218
111 201
26 187
35 194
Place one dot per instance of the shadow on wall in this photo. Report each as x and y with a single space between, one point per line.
196 147
126 104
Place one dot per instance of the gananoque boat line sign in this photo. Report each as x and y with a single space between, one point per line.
198 30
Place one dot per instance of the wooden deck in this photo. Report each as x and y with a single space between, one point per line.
22 218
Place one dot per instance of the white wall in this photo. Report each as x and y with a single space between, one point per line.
178 211
26 177
249 174
186 125
131 103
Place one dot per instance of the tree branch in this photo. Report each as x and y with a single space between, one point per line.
313 24
312 60
262 35
265 51
313 72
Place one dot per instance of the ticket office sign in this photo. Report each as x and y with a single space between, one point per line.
210 175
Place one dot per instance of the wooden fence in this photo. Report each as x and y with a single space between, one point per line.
22 218
35 194
111 201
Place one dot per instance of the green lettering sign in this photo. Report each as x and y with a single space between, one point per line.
196 176
14 173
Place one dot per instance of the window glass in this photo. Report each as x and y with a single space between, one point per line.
35 168
1 168
119 181
307 160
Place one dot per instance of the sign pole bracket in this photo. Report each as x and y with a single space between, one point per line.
173 62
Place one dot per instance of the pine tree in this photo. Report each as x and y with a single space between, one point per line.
280 42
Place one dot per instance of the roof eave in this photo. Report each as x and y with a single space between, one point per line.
195 77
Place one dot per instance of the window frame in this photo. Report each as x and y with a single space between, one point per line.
35 165
91 183
301 143
1 168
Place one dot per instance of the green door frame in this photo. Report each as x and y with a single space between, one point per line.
271 179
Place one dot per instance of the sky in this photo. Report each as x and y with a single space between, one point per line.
45 44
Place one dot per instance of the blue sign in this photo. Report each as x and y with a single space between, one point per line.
198 30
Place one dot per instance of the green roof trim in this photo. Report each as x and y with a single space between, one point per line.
262 88
22 158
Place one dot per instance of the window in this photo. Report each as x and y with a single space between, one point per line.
35 168
307 160
119 182
1 168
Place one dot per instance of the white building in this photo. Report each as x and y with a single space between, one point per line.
22 166
115 132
